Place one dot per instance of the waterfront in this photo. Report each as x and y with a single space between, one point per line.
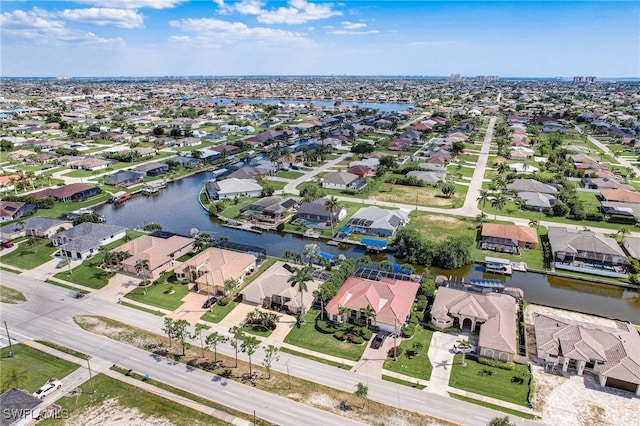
384 107
176 209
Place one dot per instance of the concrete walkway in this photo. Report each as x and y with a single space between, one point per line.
441 356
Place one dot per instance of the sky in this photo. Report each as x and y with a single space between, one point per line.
110 38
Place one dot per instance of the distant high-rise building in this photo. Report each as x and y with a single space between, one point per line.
584 80
455 77
487 78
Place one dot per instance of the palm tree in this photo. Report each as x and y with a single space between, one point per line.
368 312
533 223
346 311
332 205
299 279
311 252
483 197
498 203
141 266
323 294
363 261
502 168
464 344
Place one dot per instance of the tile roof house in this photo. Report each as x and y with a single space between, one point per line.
377 221
342 180
531 185
508 238
268 209
612 354
10 210
71 192
432 178
390 299
492 314
620 195
84 240
604 183
360 170
537 200
273 284
233 187
587 251
161 253
209 269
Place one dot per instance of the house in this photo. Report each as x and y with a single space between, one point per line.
225 149
587 251
269 209
610 353
620 196
19 408
536 200
248 173
604 183
91 163
342 181
10 210
209 270
35 226
161 253
124 178
505 238
232 188
71 192
152 169
316 211
186 161
626 210
84 240
390 299
492 315
399 145
360 170
377 221
522 168
274 285
531 185
431 178
372 162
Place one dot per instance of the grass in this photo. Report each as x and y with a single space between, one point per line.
101 390
11 296
306 336
59 284
418 366
32 367
288 174
158 295
257 330
64 349
142 308
13 271
493 406
315 358
392 379
480 379
30 257
439 227
218 312
60 208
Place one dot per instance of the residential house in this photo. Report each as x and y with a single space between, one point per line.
431 178
91 163
10 210
71 192
360 170
316 211
186 161
124 178
531 185
249 173
377 221
610 353
604 183
624 210
152 169
225 149
588 252
620 196
19 408
342 181
372 162
399 145
274 285
232 188
390 299
522 168
269 209
492 315
536 200
84 240
507 238
208 270
161 253
44 227
632 245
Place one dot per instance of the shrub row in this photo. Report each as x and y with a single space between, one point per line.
509 365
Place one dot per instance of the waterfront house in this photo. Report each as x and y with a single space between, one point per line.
208 270
232 188
390 299
316 211
491 315
377 221
269 209
161 253
152 169
273 285
71 192
588 252
505 238
610 353
84 240
124 178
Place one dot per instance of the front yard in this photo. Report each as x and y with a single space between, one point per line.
410 364
164 296
30 257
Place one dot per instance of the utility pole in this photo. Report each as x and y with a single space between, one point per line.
395 336
9 338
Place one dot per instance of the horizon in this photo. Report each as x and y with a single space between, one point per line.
146 38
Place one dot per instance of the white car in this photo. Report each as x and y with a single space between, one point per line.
48 388
467 349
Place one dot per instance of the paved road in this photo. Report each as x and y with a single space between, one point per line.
608 151
48 315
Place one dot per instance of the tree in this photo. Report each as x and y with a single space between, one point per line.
311 252
323 294
362 392
345 311
150 227
501 421
236 336
363 260
483 197
271 354
169 329
299 280
202 241
230 285
181 333
502 168
213 340
249 346
385 265
448 190
197 334
498 203
142 265
332 205
464 344
368 312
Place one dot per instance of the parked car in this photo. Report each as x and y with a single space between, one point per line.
78 295
378 340
6 244
459 348
209 302
62 263
48 388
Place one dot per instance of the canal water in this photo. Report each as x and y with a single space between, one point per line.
176 209
384 107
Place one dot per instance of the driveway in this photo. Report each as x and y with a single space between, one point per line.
372 360
238 315
191 309
441 356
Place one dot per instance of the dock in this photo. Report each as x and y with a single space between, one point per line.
242 227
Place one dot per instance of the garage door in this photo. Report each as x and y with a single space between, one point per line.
621 384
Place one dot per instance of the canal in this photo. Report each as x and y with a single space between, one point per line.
176 209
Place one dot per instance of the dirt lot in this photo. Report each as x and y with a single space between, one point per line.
407 194
576 400
113 414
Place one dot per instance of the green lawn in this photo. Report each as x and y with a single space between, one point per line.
306 336
478 378
30 257
257 330
61 208
288 174
218 312
158 295
492 406
142 308
101 391
32 368
403 382
419 366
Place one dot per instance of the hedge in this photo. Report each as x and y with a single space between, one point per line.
509 365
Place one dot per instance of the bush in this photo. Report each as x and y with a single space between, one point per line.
509 365
339 335
357 340
224 301
420 316
398 350
326 327
365 333
409 331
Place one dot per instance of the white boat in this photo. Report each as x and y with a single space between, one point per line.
309 233
497 265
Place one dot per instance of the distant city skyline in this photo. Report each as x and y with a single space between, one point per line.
106 38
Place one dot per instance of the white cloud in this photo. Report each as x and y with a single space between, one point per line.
298 12
353 25
250 7
123 18
350 28
133 4
352 32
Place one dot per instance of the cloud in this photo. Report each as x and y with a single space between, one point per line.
351 32
123 18
42 27
298 12
350 28
133 4
216 32
353 25
250 7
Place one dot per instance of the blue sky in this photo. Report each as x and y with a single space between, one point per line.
301 37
